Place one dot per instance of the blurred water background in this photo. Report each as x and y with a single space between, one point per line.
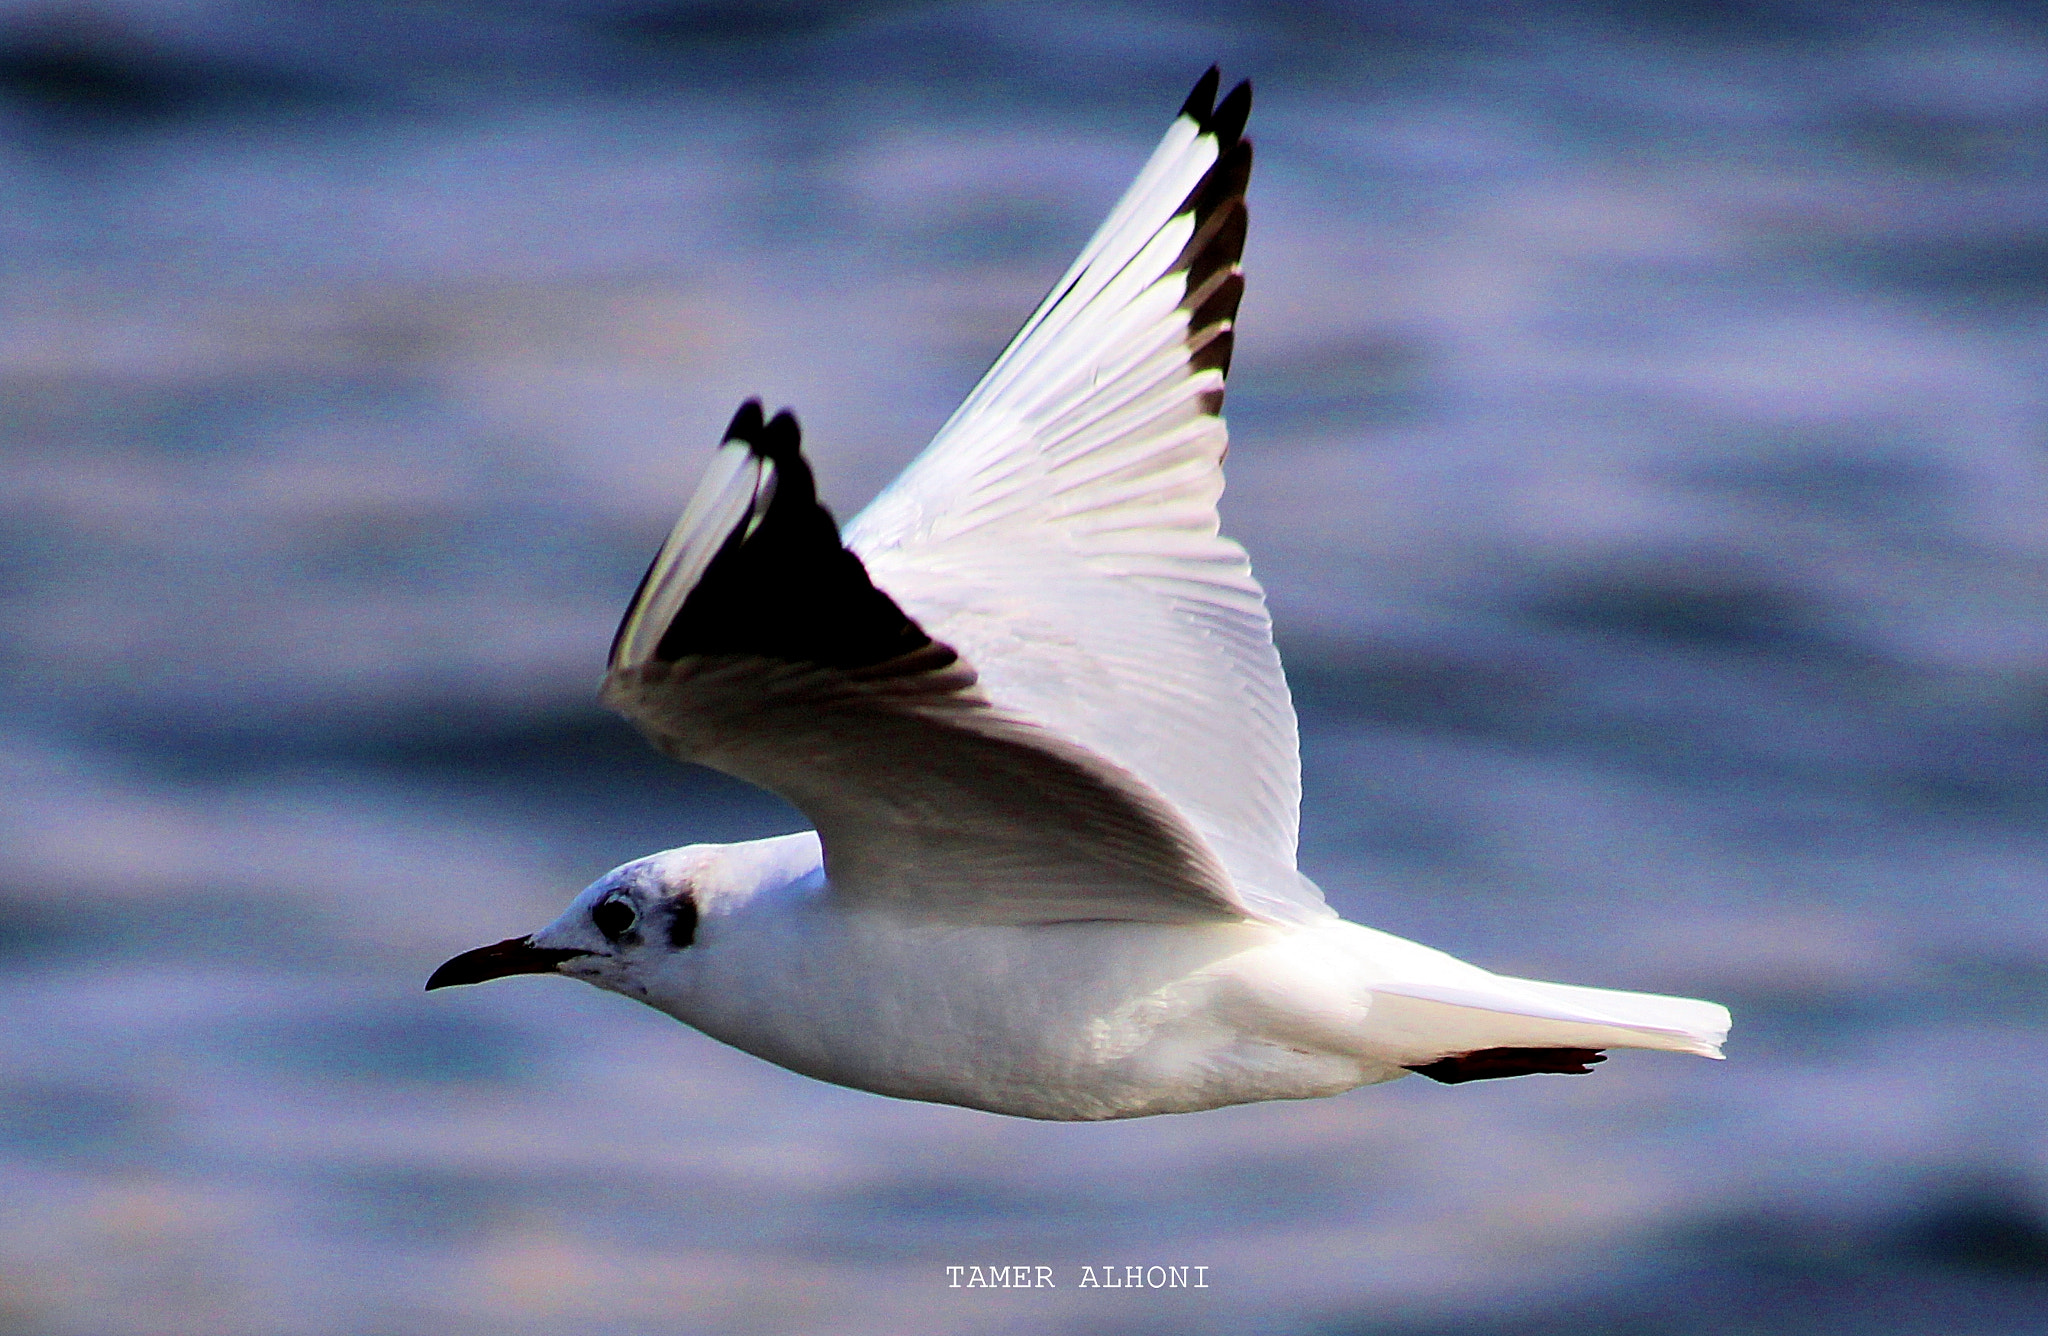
1638 421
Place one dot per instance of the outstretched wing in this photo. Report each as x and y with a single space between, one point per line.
758 645
1061 529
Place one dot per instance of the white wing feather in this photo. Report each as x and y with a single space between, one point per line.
1061 533
735 487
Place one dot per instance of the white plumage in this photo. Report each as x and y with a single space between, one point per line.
1033 706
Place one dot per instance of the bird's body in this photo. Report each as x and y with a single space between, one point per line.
1084 1019
1030 698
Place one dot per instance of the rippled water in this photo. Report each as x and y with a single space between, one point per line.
1638 422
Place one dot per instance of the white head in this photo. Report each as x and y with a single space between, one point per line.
633 923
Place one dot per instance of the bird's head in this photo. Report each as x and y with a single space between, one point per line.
644 920
611 935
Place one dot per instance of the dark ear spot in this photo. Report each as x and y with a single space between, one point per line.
682 929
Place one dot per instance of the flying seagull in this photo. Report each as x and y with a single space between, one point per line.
1031 701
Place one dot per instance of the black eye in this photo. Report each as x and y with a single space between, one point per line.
614 918
682 929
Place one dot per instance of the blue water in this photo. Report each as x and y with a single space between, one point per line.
1638 421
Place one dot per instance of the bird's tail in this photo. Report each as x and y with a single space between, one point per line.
1431 1021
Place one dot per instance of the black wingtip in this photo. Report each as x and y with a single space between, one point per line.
778 438
1203 98
1490 1064
1227 124
1225 180
782 585
781 440
745 424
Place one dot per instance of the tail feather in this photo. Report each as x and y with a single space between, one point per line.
1426 1021
1704 1023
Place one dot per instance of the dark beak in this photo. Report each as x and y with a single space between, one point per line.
514 955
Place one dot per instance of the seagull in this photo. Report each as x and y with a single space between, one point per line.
1031 702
